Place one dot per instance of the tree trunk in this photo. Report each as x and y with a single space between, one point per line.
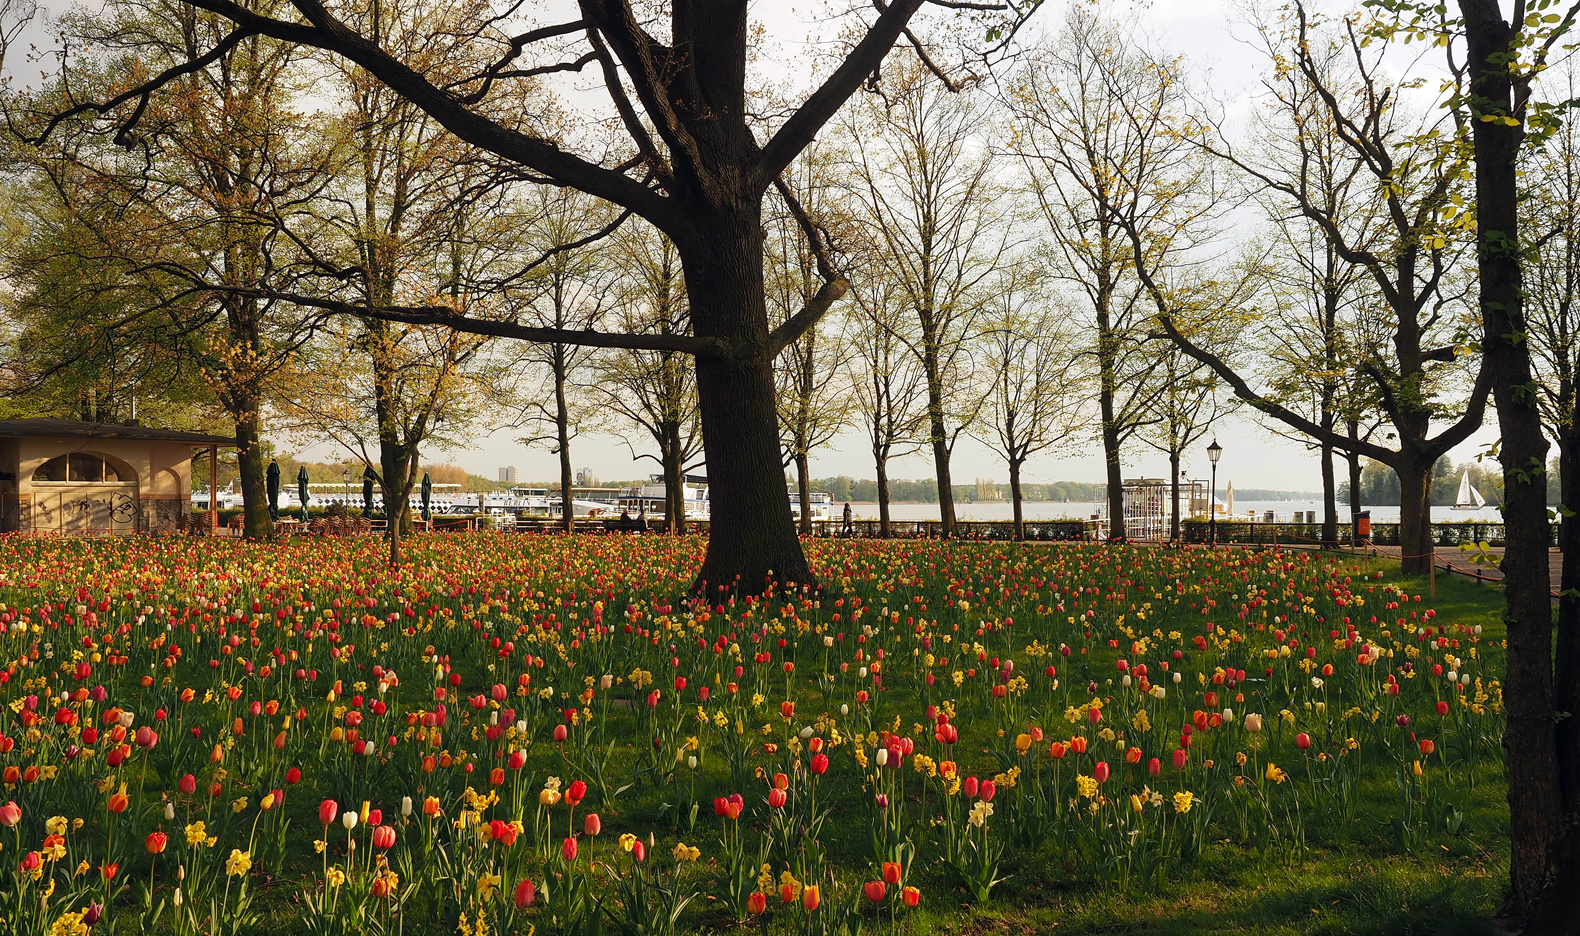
1174 495
1543 867
1567 677
396 471
1014 494
562 427
753 542
1116 489
672 458
804 489
1353 461
1415 513
883 496
1330 500
1107 389
938 438
249 460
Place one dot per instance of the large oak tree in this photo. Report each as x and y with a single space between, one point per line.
687 159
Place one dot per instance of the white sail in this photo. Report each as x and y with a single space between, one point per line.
1469 498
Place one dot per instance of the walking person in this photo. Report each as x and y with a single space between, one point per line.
847 529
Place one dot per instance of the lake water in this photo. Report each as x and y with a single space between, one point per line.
1049 510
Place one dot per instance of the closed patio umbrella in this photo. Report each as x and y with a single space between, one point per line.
427 496
301 491
272 485
367 492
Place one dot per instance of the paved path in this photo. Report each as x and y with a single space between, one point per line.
1458 561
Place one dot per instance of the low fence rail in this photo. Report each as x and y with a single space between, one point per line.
1229 532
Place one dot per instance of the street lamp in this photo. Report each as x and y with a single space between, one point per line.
345 478
1214 451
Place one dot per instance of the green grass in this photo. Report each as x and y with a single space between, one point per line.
1351 876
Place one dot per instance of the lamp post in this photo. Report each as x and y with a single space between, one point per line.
345 479
1214 451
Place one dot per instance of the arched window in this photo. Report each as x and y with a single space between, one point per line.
80 467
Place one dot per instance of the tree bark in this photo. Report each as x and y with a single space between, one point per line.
1174 495
1352 459
1542 866
562 428
752 543
1014 493
937 432
672 460
1116 488
249 459
1330 500
1567 676
883 496
1415 512
804 489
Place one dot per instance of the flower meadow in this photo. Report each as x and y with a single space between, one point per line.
524 734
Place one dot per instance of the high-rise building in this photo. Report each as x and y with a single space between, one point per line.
508 475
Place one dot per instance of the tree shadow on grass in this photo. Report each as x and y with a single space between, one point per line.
1403 897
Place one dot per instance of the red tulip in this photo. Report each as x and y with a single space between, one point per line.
156 842
969 787
591 824
568 849
10 814
327 811
1428 745
384 837
820 764
891 872
576 791
988 789
756 903
1100 772
1302 741
911 896
875 890
1442 708
776 798
525 892
1180 757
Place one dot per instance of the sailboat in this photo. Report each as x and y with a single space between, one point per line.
1469 498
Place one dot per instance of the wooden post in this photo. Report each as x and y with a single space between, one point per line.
213 490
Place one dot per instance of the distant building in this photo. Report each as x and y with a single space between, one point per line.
585 478
508 475
63 476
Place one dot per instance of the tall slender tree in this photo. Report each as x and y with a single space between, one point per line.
927 193
1085 163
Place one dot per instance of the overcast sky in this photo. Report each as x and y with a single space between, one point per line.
1202 30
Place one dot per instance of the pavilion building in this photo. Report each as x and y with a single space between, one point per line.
64 476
